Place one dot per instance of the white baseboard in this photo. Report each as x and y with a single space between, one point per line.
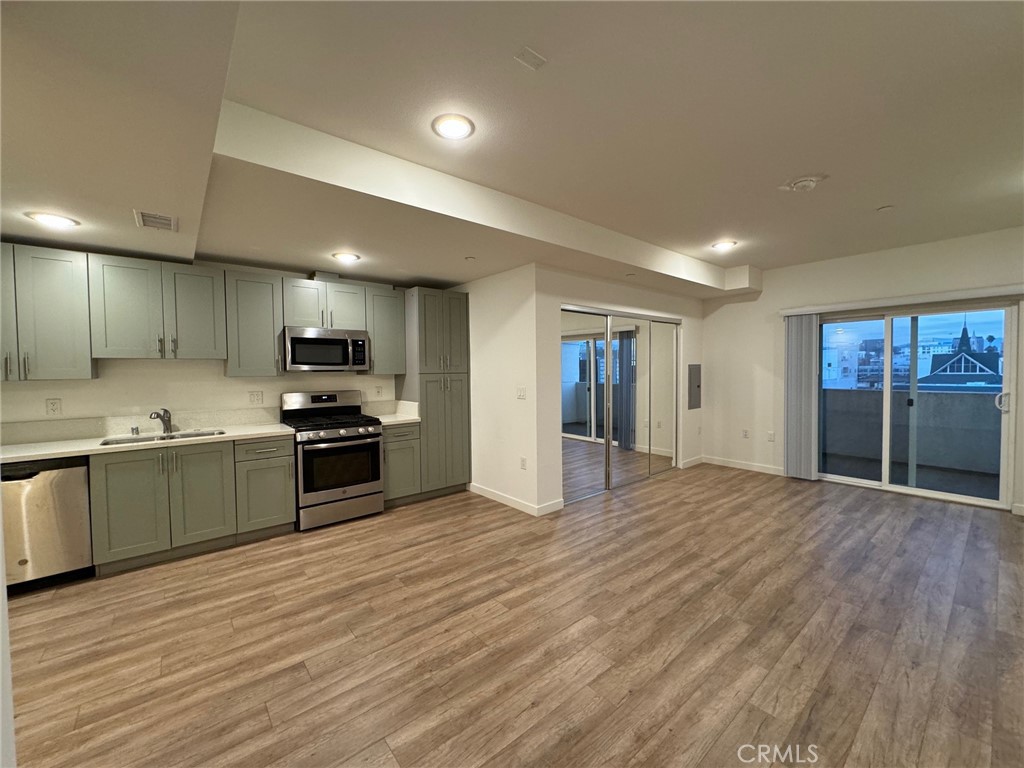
1018 509
693 462
766 468
512 501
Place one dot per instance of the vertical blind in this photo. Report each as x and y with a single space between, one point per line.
801 397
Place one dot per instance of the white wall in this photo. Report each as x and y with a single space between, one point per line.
503 341
744 341
133 388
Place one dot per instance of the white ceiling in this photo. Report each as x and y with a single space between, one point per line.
671 123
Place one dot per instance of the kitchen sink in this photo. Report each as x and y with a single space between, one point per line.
130 440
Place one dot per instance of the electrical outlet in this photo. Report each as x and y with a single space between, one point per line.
53 406
746 433
521 395
378 390
771 436
522 462
256 397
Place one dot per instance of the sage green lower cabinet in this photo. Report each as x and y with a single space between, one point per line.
401 461
202 485
265 492
130 504
444 430
151 500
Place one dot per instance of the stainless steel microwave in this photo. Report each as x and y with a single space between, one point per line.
325 349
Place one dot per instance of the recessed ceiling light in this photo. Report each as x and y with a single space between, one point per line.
471 258
724 245
631 274
453 127
52 220
347 258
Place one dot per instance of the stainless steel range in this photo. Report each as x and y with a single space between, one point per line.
338 454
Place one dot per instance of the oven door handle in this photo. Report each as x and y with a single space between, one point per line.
338 444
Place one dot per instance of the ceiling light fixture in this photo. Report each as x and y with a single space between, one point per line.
453 127
52 220
724 245
631 274
885 208
471 258
347 258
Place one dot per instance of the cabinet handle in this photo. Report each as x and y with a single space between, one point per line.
447 362
24 360
277 364
266 450
160 462
174 461
291 470
332 318
448 383
385 455
7 366
174 345
160 345
321 318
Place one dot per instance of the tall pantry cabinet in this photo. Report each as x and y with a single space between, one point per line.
437 377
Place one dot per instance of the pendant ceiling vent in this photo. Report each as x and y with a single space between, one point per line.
156 221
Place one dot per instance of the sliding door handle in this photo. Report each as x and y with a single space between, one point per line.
1002 401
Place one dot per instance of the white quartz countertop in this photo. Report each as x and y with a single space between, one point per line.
398 419
91 445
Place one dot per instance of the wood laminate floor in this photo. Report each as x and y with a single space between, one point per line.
666 623
583 467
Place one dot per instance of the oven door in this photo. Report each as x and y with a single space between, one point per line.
316 349
339 470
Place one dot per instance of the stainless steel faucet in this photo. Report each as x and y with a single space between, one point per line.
165 418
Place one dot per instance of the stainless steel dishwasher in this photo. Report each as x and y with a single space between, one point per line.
46 517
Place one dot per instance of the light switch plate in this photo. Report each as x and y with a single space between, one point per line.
520 391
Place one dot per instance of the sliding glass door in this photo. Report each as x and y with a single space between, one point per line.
919 401
947 415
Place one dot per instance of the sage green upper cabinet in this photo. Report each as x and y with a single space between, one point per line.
126 305
255 319
52 300
443 329
202 492
456 332
346 306
129 504
193 303
385 323
430 313
10 363
305 303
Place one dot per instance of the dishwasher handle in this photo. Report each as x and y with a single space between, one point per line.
26 470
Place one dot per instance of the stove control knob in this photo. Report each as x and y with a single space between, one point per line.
323 434
362 430
342 432
371 429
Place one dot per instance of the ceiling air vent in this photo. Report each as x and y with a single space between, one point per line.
530 59
156 221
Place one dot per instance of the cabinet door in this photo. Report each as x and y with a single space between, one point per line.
10 363
346 306
385 322
265 492
431 328
129 504
52 289
255 319
202 484
194 322
401 469
305 303
456 332
126 307
456 413
433 443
